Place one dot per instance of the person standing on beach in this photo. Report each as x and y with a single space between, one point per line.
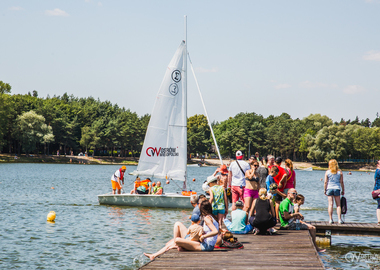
334 187
236 178
376 187
117 179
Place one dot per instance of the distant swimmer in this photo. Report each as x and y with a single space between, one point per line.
117 179
349 173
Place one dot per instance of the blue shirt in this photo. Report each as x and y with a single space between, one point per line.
269 181
196 210
333 181
377 181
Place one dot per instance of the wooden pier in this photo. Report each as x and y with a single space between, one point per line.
285 250
349 228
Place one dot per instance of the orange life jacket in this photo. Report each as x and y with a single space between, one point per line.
143 183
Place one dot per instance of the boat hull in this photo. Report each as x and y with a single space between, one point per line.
163 201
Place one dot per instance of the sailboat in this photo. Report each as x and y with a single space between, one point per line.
164 152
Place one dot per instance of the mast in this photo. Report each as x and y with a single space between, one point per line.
185 93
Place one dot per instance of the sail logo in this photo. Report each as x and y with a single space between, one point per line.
161 152
173 89
176 75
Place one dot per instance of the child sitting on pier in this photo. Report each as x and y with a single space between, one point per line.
195 231
239 224
300 200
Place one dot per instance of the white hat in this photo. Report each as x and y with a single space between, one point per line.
211 178
205 187
239 153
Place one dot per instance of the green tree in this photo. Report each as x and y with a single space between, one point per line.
5 87
198 134
31 129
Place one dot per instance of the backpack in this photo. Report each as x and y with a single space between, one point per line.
343 205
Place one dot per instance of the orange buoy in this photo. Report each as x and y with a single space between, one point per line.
52 187
193 179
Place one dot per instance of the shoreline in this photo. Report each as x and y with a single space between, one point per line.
102 160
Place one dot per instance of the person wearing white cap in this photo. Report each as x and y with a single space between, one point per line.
236 178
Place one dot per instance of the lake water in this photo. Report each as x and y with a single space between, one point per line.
86 235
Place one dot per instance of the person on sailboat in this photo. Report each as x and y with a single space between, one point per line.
117 179
142 186
158 190
236 178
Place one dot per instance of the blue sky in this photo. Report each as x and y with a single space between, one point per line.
268 57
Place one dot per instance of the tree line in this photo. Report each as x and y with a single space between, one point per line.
30 124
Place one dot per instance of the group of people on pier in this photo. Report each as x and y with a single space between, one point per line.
262 193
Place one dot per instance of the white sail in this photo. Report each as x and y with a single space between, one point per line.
164 153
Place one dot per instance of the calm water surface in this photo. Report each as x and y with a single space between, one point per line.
86 235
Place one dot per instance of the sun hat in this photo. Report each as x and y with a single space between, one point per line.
239 155
222 169
124 168
239 203
211 179
195 218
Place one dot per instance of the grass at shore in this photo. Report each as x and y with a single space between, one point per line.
6 158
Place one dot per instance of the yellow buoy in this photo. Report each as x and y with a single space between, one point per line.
51 216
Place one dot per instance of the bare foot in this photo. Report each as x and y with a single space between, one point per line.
150 256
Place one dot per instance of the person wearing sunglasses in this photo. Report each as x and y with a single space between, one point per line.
294 221
252 185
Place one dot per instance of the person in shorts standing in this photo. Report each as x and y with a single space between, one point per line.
333 187
117 179
236 178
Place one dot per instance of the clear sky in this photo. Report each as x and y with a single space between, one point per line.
268 57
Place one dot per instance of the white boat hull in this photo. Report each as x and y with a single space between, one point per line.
168 200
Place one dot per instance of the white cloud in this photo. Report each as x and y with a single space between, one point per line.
100 4
205 70
353 89
372 56
15 8
309 84
282 86
56 12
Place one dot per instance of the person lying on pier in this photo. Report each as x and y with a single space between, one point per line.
288 217
142 187
239 223
195 231
157 189
207 240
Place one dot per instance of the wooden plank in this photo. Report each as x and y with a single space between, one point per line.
260 252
